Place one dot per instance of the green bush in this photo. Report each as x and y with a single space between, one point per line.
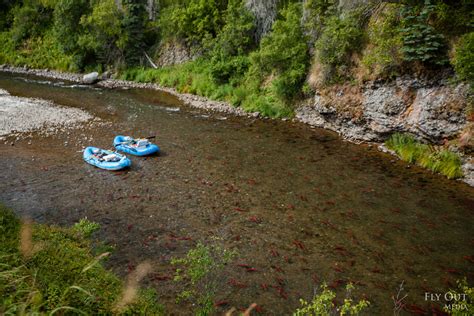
340 38
60 275
196 21
382 56
67 15
464 299
133 26
283 55
442 161
196 273
227 52
323 304
30 20
463 59
86 227
103 35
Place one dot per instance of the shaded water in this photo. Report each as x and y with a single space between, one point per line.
298 204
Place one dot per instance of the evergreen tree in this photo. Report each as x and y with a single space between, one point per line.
134 28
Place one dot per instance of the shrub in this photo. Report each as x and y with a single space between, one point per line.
283 54
133 25
103 34
197 273
67 15
29 20
86 227
382 56
463 59
463 297
340 38
323 304
232 43
196 22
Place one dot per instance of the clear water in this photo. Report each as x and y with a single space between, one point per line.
298 204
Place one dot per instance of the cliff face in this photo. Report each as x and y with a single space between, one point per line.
433 111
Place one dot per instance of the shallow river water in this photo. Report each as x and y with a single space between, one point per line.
299 205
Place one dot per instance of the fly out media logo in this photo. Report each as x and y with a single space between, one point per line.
453 301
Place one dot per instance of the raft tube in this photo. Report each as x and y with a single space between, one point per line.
126 144
91 156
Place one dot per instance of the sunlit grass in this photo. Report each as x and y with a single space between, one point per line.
195 78
437 160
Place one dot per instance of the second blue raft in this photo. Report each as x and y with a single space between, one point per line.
137 147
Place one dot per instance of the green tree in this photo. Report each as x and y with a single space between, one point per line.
228 50
103 36
134 28
421 42
284 54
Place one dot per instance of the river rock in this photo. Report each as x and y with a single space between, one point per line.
106 75
90 78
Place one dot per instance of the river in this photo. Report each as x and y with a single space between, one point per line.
300 205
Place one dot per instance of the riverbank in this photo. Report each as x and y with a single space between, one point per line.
376 112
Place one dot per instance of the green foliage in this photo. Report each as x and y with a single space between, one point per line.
340 38
463 59
421 42
282 58
67 15
200 261
197 272
195 21
103 35
453 18
37 52
133 27
61 275
29 20
382 57
412 151
316 14
232 42
464 299
323 304
86 227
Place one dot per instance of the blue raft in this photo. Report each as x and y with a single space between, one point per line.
105 159
137 147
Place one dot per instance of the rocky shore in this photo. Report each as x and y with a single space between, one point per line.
188 99
432 110
20 115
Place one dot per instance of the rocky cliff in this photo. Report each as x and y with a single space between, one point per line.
432 110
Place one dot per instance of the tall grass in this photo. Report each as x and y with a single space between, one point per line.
437 160
61 276
195 78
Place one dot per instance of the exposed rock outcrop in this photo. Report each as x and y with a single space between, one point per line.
174 53
370 113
